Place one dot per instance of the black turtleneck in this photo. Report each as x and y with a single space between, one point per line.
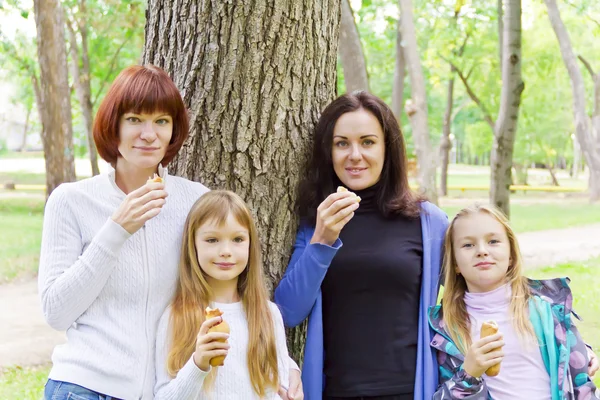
371 304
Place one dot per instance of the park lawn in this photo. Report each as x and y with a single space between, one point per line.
23 383
542 216
20 237
22 178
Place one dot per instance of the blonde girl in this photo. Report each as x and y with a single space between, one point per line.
540 351
221 267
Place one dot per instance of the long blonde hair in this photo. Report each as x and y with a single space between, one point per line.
193 294
456 318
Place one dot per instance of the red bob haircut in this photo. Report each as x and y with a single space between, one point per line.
139 89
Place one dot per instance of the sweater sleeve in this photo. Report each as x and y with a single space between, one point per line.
188 382
71 278
298 290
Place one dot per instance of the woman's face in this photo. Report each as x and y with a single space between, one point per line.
358 149
144 138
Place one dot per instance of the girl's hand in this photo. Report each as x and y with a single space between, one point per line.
140 205
208 345
332 215
483 354
594 364
295 391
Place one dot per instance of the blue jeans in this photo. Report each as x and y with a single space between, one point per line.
57 390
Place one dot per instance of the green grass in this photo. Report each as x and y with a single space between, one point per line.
23 383
585 284
20 237
22 178
19 154
542 216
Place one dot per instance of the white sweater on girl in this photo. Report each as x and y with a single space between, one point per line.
107 288
233 379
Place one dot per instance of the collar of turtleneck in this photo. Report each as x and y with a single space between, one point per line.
496 299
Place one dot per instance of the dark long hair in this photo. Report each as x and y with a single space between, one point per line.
394 195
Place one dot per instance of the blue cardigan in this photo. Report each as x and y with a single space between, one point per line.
298 295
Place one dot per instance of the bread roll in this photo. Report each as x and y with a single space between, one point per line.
487 329
222 327
341 189
155 178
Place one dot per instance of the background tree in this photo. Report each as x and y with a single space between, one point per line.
254 91
416 107
352 57
57 136
505 129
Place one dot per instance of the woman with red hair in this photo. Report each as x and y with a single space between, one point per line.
111 244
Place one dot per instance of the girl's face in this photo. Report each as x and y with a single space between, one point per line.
358 149
223 250
144 139
482 251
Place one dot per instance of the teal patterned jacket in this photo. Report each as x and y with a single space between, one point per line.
566 359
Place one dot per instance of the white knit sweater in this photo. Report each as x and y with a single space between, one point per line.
233 379
107 288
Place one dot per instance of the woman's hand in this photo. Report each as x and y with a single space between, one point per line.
208 345
332 215
140 205
483 354
594 364
295 391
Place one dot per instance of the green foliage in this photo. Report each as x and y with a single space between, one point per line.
23 383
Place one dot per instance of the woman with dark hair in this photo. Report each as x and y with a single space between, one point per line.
111 244
367 300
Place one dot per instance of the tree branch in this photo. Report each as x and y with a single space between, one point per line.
586 15
588 66
486 115
109 73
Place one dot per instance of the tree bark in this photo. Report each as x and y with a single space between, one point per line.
57 135
399 74
585 137
25 129
500 29
81 78
255 76
351 52
510 99
446 143
416 107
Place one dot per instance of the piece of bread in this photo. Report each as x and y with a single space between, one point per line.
155 178
222 327
343 189
487 329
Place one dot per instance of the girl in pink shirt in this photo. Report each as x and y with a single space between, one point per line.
539 349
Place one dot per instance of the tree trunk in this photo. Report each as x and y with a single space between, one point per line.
255 76
446 143
25 129
57 135
399 74
500 29
416 107
576 159
81 78
505 128
583 132
351 52
550 168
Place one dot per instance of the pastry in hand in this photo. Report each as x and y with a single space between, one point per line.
341 189
155 178
222 327
487 329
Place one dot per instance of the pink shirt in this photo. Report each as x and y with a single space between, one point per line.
522 373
